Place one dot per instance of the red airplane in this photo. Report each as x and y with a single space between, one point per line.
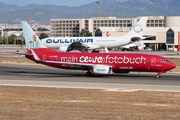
94 63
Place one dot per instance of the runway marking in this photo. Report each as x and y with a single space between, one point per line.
92 83
84 85
156 105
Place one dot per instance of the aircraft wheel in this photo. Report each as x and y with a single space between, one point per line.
95 51
88 74
158 76
133 49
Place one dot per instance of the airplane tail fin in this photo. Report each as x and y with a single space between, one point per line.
136 32
31 39
33 43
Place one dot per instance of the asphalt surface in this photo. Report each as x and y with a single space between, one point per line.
6 52
44 76
168 54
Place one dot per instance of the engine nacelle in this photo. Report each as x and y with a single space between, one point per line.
63 48
134 39
102 70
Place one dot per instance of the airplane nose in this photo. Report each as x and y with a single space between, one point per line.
172 65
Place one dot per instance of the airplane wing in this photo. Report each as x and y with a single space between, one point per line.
77 46
81 46
79 65
148 37
91 46
107 70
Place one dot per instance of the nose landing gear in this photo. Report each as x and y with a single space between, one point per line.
158 74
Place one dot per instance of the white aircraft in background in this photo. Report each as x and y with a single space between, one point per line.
66 44
131 47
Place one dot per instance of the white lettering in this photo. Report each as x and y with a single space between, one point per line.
86 59
107 59
111 60
81 59
126 60
137 60
120 60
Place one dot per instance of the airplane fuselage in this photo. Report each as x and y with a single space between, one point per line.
65 44
92 42
119 62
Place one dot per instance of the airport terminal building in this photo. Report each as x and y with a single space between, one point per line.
165 31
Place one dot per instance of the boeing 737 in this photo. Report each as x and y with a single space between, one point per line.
93 63
66 44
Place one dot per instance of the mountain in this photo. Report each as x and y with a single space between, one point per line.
118 8
30 14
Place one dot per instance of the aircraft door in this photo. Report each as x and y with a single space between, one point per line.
153 61
44 58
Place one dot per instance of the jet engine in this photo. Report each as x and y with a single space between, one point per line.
63 48
102 70
134 39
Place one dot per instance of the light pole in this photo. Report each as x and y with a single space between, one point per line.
98 2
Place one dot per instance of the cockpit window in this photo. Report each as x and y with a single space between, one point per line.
164 60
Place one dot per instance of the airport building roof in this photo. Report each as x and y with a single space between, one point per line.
156 29
176 29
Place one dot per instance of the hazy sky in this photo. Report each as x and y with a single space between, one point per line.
52 2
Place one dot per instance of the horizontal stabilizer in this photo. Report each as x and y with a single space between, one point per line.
21 53
35 55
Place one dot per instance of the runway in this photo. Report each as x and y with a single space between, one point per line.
44 76
167 54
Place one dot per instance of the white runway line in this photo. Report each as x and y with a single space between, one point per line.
87 85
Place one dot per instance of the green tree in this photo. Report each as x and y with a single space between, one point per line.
42 29
11 39
43 35
20 42
13 29
0 38
85 33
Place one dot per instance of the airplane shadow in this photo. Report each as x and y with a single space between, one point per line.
38 74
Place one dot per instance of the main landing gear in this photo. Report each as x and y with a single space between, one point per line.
88 74
95 51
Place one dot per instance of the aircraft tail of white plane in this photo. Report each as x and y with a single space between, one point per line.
136 32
